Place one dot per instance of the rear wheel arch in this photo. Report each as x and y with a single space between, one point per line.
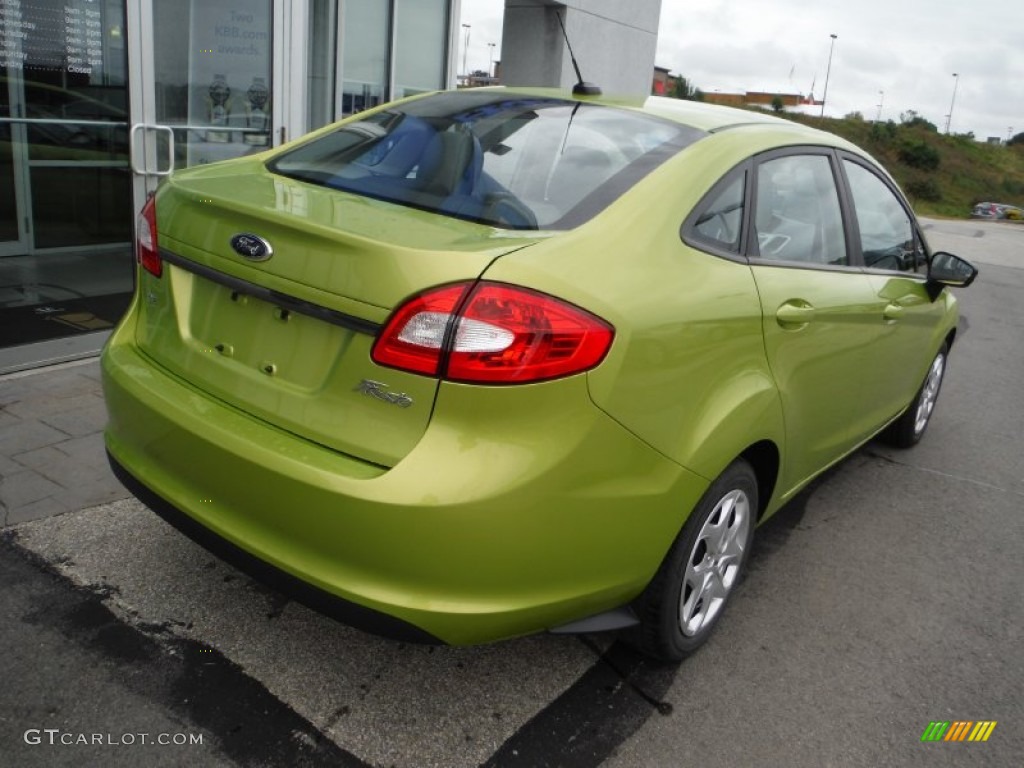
764 458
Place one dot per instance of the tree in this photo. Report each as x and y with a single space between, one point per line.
683 89
1017 139
778 104
911 118
858 116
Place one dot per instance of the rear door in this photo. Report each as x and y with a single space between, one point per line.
817 304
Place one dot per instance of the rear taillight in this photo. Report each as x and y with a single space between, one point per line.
492 333
146 248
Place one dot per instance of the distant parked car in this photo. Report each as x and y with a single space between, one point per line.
997 211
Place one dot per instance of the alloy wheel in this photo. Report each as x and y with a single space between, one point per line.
714 562
929 394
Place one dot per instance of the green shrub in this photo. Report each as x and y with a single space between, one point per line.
883 131
924 189
918 154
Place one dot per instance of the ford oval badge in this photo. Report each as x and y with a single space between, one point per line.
251 247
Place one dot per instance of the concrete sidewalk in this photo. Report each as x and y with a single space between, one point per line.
51 443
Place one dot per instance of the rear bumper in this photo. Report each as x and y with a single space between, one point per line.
319 600
498 523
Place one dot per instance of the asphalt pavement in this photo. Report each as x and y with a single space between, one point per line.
886 597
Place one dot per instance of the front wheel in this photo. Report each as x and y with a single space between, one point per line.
909 428
683 603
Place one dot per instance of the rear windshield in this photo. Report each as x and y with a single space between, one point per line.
511 161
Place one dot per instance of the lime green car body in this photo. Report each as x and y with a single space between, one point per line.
245 394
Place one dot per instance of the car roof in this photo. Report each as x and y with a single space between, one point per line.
707 117
715 117
696 114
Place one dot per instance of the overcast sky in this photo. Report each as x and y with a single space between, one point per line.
907 48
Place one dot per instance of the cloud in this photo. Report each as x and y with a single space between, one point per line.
908 49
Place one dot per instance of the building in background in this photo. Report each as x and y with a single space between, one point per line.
614 43
100 99
663 83
762 99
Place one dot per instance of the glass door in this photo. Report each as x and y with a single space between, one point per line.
13 233
65 185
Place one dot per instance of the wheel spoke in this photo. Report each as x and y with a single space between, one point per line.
693 612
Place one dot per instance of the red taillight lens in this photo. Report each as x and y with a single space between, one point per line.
146 248
500 334
414 337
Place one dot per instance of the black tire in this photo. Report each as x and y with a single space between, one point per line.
671 600
909 428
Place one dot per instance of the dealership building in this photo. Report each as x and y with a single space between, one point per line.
101 99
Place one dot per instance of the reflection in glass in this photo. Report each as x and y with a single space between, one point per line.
951 270
364 54
886 233
212 61
419 60
65 185
797 217
323 38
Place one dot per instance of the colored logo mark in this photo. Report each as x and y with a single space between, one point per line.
958 730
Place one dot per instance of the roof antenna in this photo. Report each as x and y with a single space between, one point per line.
581 88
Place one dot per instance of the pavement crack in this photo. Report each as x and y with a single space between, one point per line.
947 475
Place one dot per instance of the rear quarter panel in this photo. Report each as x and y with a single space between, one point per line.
687 372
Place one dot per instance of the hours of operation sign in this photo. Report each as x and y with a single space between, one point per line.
51 36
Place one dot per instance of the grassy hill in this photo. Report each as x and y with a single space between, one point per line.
942 175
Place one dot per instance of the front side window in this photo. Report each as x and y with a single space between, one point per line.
797 217
886 233
512 161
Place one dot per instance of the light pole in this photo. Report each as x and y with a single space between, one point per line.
881 101
490 60
949 117
465 50
828 72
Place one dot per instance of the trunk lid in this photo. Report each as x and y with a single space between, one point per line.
288 339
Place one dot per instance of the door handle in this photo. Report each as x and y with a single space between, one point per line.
795 314
136 168
142 169
893 311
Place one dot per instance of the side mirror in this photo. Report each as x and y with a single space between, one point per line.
947 269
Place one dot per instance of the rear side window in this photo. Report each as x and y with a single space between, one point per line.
797 217
511 161
720 218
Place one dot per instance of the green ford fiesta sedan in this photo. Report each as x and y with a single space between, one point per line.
484 363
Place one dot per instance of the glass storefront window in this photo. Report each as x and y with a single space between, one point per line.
77 159
322 52
365 30
65 182
419 60
213 86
